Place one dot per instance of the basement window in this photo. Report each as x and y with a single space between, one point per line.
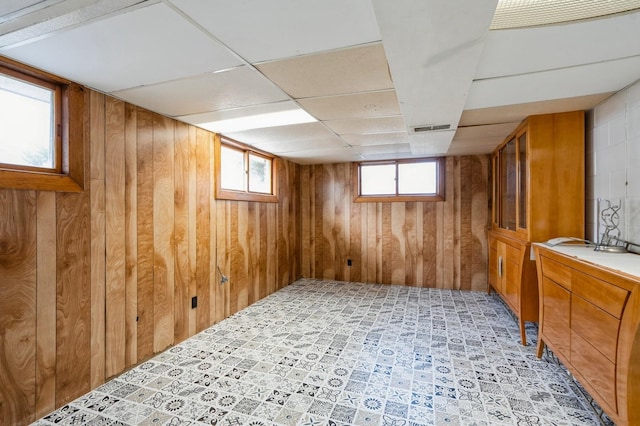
40 147
243 173
400 180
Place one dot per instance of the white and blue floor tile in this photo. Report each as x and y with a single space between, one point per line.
334 353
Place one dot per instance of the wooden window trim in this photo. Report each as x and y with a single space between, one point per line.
228 194
69 175
438 196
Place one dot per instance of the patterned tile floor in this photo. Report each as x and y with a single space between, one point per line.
335 353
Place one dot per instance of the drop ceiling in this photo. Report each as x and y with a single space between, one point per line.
367 71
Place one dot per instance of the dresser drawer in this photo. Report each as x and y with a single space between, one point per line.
556 305
600 293
557 272
595 368
596 326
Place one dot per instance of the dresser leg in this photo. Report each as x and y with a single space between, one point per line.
540 347
523 333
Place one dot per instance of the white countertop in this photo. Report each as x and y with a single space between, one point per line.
628 263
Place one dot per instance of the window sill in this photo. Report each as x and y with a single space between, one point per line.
38 181
396 198
222 194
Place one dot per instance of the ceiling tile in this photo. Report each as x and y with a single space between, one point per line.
358 69
526 50
477 146
17 7
27 20
234 88
500 131
400 148
367 125
324 156
127 50
557 84
431 143
376 139
282 138
518 112
287 147
391 152
480 139
293 27
361 105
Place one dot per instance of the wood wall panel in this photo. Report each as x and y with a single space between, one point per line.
98 281
45 310
223 260
272 264
17 305
94 282
193 212
213 247
73 296
131 234
163 218
144 160
96 134
425 244
478 241
240 258
115 237
204 144
355 242
182 294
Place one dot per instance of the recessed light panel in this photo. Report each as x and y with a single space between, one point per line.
530 13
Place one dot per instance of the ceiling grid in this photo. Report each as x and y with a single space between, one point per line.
357 76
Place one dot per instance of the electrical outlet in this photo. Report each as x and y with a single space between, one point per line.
194 302
348 262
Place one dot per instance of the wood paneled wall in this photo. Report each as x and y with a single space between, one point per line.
424 244
94 282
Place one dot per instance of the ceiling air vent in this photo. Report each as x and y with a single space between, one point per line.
431 128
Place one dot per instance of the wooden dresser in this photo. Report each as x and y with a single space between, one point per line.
590 319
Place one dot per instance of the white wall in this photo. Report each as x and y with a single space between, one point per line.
613 159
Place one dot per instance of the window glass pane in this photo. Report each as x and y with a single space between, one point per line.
378 179
259 174
232 173
522 176
26 124
417 178
508 185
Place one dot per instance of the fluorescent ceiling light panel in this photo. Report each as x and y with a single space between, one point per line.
529 13
257 118
260 121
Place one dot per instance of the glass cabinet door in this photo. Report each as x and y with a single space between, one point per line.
508 185
495 179
522 178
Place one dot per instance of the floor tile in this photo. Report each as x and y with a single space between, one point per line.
334 353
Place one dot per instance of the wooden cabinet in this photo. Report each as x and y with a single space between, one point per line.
590 319
511 278
538 194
